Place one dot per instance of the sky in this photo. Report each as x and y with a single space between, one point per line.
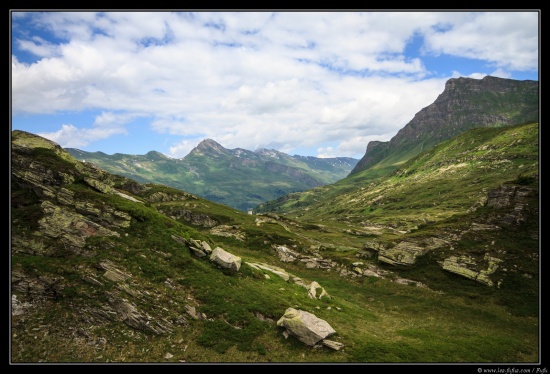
310 83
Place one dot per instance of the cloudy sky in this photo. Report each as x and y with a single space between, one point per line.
313 83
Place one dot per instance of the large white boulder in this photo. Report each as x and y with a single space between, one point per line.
225 259
305 326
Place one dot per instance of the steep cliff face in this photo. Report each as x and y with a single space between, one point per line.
465 103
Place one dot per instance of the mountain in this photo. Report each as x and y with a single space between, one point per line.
216 173
436 263
464 104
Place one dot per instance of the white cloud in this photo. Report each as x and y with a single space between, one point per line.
506 39
38 46
255 79
327 152
182 149
70 136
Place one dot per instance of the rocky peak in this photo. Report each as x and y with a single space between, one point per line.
208 146
494 84
464 104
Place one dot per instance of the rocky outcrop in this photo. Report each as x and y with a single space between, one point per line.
70 229
18 307
158 197
36 285
286 254
280 272
67 219
128 313
404 253
112 272
229 231
197 247
516 199
305 326
202 249
314 289
471 268
198 219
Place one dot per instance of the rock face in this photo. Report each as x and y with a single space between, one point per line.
305 326
465 103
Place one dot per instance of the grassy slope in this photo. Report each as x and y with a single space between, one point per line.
443 181
377 320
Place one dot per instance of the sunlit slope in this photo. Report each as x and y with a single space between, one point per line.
448 179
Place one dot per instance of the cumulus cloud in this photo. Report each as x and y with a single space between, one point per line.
69 136
285 80
505 39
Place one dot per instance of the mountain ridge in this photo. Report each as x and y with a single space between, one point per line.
215 172
464 103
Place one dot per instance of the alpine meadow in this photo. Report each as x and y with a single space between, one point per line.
426 250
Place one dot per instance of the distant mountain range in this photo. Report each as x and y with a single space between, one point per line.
237 177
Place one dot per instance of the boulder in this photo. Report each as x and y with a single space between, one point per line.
306 327
225 259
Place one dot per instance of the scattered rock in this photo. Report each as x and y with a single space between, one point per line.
332 344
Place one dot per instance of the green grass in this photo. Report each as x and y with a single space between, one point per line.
453 319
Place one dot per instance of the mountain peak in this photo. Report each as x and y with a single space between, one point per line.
208 146
465 103
209 143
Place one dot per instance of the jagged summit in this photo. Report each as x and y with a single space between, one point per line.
208 146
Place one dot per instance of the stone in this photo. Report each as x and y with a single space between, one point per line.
305 326
225 259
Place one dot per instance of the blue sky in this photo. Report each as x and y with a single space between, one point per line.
313 83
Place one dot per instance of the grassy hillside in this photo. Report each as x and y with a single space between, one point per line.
448 179
124 290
